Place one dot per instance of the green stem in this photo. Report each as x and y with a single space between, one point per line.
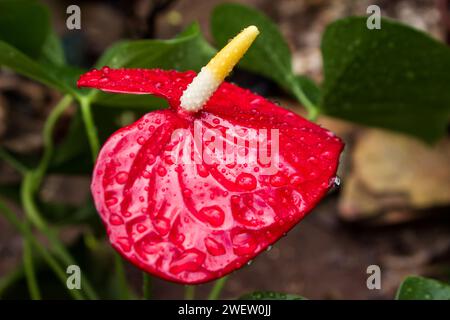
48 131
31 183
7 280
94 142
121 277
89 123
30 274
217 289
311 108
12 161
27 234
189 292
147 286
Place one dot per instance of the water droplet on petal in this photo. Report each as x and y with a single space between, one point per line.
214 215
141 140
246 181
161 171
115 219
122 177
141 228
124 244
214 247
202 171
162 225
190 260
278 180
244 244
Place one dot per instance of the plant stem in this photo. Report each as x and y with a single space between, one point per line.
12 161
30 274
189 292
31 182
121 277
24 229
311 108
48 131
217 289
10 278
91 130
147 286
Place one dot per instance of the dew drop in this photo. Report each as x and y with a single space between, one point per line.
124 244
122 177
141 140
190 260
162 225
202 171
278 180
111 201
115 219
146 174
141 228
214 215
151 159
246 181
243 244
161 171
295 180
214 247
337 181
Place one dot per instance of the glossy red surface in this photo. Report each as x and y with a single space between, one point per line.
195 222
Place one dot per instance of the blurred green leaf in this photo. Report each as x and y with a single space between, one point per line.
419 288
188 51
53 51
395 78
25 25
270 295
310 88
269 55
52 76
29 47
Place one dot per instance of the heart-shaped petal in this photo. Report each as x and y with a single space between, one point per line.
192 197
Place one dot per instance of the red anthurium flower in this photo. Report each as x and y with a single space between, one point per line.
196 191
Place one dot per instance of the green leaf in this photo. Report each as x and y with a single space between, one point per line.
419 288
61 78
29 47
395 78
312 91
25 25
188 51
269 55
53 51
270 295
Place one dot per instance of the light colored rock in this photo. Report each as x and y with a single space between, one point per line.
395 172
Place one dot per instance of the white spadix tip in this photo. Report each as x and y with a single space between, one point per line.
212 75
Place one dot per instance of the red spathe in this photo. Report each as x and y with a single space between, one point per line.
192 222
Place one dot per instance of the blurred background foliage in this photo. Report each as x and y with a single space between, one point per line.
386 92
